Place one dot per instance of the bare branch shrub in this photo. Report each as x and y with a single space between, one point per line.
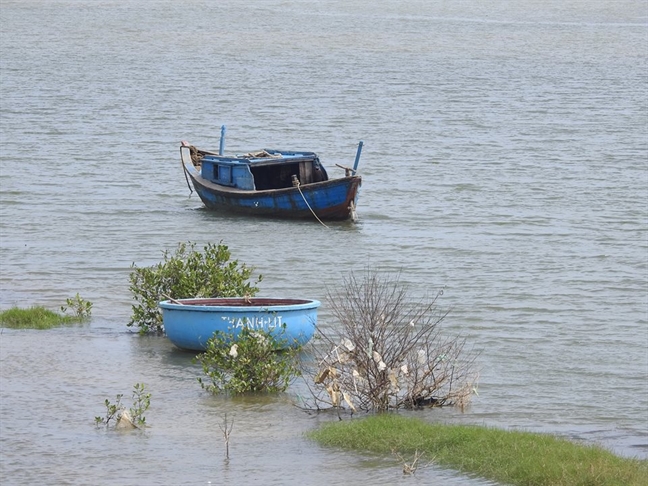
387 352
226 429
411 467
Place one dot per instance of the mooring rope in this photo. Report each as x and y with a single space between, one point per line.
184 170
187 179
297 184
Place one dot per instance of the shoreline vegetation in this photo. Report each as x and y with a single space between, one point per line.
508 457
36 317
403 359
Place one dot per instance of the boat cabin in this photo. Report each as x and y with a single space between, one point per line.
263 170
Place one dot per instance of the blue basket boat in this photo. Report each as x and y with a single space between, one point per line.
189 323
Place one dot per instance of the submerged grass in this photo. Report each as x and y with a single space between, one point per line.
36 317
510 457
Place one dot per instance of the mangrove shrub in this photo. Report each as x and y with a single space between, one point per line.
253 361
186 273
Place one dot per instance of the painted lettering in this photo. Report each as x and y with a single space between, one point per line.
266 323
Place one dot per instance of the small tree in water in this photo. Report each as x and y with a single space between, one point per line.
388 352
252 361
185 274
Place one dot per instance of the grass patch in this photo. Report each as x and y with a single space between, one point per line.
36 317
510 457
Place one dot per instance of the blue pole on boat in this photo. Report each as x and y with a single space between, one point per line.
357 159
222 141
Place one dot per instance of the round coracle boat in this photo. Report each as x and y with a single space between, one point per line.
190 323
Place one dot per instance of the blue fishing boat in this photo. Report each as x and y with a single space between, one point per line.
189 323
268 182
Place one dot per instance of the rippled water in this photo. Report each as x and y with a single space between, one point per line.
505 161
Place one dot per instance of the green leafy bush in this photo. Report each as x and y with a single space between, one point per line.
81 308
187 273
253 361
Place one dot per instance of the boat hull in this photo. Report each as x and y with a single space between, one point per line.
190 323
333 199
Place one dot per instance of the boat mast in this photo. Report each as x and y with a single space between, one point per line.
357 159
221 148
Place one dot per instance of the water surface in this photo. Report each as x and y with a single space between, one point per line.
504 162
